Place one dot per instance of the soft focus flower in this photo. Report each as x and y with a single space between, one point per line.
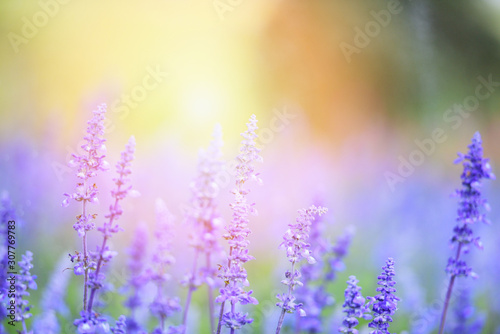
162 306
384 305
204 217
136 266
464 322
296 244
354 307
234 274
120 327
296 241
6 214
313 293
104 254
53 300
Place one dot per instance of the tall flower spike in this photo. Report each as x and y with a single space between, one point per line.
295 242
123 188
384 305
6 214
315 277
205 219
163 306
137 255
354 307
24 281
475 168
88 164
234 274
464 320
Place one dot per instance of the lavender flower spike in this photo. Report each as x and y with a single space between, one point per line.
204 216
297 248
137 255
24 281
234 274
384 305
110 227
354 307
7 214
470 202
88 164
163 306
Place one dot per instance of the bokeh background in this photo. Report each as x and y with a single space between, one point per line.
334 123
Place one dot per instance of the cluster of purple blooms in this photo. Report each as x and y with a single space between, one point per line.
163 306
355 307
87 263
306 282
234 274
204 217
316 277
15 282
470 203
296 244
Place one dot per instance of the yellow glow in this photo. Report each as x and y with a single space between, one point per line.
200 101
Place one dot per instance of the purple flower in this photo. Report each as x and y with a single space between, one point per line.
23 282
384 305
464 322
339 251
136 266
104 254
313 294
234 274
236 320
120 326
205 219
469 207
162 306
475 168
203 214
88 164
91 323
6 214
296 244
354 307
53 300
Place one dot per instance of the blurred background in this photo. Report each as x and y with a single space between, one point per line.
363 104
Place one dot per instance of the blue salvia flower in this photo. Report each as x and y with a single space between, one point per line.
6 214
384 305
136 266
296 244
120 326
338 252
234 274
88 163
204 216
475 168
313 294
354 307
464 312
90 323
163 306
24 281
469 207
53 300
103 253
